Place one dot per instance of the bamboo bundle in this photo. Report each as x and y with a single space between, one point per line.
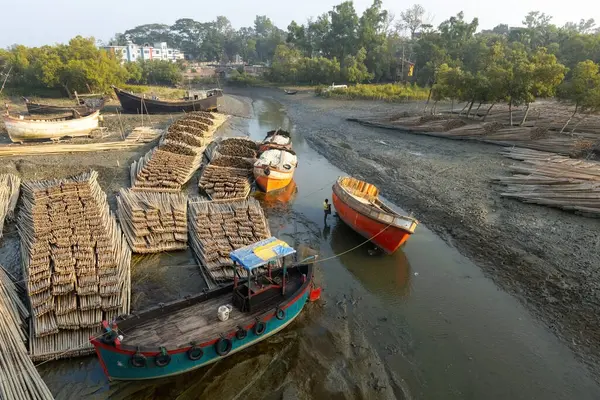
153 222
73 252
9 194
553 180
19 380
216 229
221 183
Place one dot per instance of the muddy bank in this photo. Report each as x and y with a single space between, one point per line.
548 258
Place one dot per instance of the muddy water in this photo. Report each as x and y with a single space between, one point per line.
423 323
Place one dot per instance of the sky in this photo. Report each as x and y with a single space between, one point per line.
39 22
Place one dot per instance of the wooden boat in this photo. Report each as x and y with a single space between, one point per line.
358 204
290 91
22 128
83 107
275 168
187 334
136 104
277 139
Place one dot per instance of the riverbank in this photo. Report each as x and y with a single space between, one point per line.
547 258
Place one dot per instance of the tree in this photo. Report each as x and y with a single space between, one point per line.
583 26
583 90
412 19
354 69
342 37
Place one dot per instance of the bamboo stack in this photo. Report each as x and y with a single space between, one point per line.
19 380
153 222
553 180
75 262
9 194
230 147
216 229
169 166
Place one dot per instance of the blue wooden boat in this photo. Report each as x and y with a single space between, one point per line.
187 334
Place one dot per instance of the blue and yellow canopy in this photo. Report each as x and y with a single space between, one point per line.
259 254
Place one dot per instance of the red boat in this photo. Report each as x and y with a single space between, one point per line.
358 204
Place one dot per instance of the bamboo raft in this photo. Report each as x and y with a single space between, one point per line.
19 380
75 261
536 138
169 166
216 229
153 222
9 195
553 180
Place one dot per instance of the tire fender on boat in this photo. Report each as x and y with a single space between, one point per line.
279 313
267 172
109 337
163 359
138 360
241 333
223 351
195 353
259 328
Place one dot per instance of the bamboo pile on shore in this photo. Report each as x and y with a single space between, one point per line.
169 166
227 178
153 222
9 195
75 261
19 380
553 180
216 229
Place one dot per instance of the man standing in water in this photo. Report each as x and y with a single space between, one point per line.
327 210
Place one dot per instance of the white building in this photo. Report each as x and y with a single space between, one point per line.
132 52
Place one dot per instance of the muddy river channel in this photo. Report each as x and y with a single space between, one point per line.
424 323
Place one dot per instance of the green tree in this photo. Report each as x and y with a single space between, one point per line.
354 69
342 37
583 89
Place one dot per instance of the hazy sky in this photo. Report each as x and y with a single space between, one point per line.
38 22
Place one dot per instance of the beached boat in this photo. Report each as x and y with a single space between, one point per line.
277 139
275 168
138 104
357 203
84 106
290 91
187 334
21 128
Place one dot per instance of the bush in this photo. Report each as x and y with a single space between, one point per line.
154 72
245 80
392 92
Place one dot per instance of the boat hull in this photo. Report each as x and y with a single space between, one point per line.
117 365
388 238
275 180
20 130
44 109
136 104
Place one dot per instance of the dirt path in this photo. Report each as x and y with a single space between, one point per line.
548 258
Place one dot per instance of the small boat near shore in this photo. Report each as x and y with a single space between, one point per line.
22 128
277 139
290 91
357 203
84 106
187 334
275 169
132 103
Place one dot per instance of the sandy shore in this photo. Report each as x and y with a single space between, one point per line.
548 258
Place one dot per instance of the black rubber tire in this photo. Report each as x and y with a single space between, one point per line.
241 333
219 346
259 328
280 313
195 353
110 337
162 360
267 172
138 360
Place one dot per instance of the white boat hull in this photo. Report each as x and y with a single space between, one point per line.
21 130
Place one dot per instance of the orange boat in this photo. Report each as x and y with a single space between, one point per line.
278 139
274 169
358 204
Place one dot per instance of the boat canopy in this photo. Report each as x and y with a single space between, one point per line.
258 254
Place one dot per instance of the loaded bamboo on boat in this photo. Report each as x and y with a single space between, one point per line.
275 169
358 204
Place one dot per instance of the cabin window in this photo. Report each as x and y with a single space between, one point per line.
157 51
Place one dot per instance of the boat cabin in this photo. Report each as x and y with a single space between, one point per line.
259 288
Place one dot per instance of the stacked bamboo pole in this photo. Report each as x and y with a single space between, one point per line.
19 380
153 222
9 194
75 262
553 180
135 139
216 229
169 166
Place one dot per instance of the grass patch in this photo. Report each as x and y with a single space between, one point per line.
390 92
164 92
